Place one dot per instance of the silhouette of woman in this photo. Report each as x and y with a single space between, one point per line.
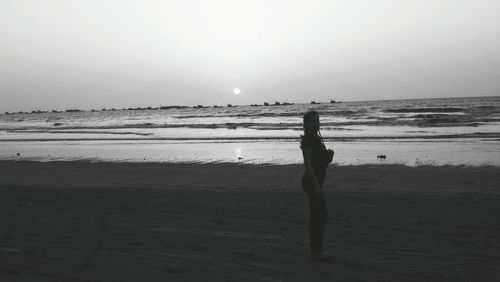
316 160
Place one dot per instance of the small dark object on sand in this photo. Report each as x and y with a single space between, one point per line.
381 157
18 154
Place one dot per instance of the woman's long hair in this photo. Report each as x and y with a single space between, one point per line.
308 115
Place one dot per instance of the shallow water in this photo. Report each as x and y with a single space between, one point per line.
413 153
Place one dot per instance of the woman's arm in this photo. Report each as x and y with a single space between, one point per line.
330 153
307 154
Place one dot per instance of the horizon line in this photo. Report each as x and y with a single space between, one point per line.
229 105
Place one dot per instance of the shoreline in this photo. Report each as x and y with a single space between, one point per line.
83 221
412 153
223 164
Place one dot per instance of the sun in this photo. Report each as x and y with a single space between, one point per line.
236 91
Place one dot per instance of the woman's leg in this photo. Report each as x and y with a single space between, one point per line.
317 221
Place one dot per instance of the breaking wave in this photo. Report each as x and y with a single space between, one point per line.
424 110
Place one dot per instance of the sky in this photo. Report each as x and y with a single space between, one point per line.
115 53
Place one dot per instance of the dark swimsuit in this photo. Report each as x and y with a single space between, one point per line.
320 158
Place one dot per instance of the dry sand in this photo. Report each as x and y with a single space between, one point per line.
76 221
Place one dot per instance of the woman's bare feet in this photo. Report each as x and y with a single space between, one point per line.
322 257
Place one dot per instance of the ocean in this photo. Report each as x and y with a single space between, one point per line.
447 131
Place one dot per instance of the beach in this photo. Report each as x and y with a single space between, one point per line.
105 221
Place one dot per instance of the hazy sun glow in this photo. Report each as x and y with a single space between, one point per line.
236 91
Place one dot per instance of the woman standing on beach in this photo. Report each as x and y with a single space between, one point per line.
316 160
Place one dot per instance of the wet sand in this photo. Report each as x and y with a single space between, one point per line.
77 221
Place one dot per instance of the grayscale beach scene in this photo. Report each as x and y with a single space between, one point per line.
231 140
